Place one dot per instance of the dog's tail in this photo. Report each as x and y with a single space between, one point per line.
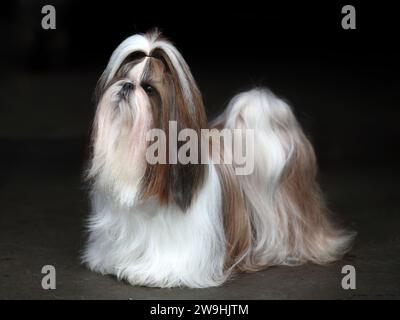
290 223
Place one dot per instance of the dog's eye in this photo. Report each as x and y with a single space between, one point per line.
148 89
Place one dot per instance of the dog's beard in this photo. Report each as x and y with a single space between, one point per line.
121 123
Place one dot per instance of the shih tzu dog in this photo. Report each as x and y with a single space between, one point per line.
197 224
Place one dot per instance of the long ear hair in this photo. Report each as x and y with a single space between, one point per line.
178 99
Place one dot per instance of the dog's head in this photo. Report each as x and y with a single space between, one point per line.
146 84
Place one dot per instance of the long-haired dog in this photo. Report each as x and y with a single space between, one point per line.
195 224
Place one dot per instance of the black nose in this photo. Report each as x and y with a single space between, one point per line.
126 89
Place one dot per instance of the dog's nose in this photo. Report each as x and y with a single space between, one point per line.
126 89
127 86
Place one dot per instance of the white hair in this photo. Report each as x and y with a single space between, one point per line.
166 227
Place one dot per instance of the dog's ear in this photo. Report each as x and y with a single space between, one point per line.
180 101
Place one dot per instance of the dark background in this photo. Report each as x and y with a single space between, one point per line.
343 85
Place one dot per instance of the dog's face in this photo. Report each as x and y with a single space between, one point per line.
137 92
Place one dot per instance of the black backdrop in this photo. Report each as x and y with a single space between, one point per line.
343 84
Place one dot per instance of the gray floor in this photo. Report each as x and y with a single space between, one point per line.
42 223
43 207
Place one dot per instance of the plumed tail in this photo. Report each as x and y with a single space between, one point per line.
290 221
